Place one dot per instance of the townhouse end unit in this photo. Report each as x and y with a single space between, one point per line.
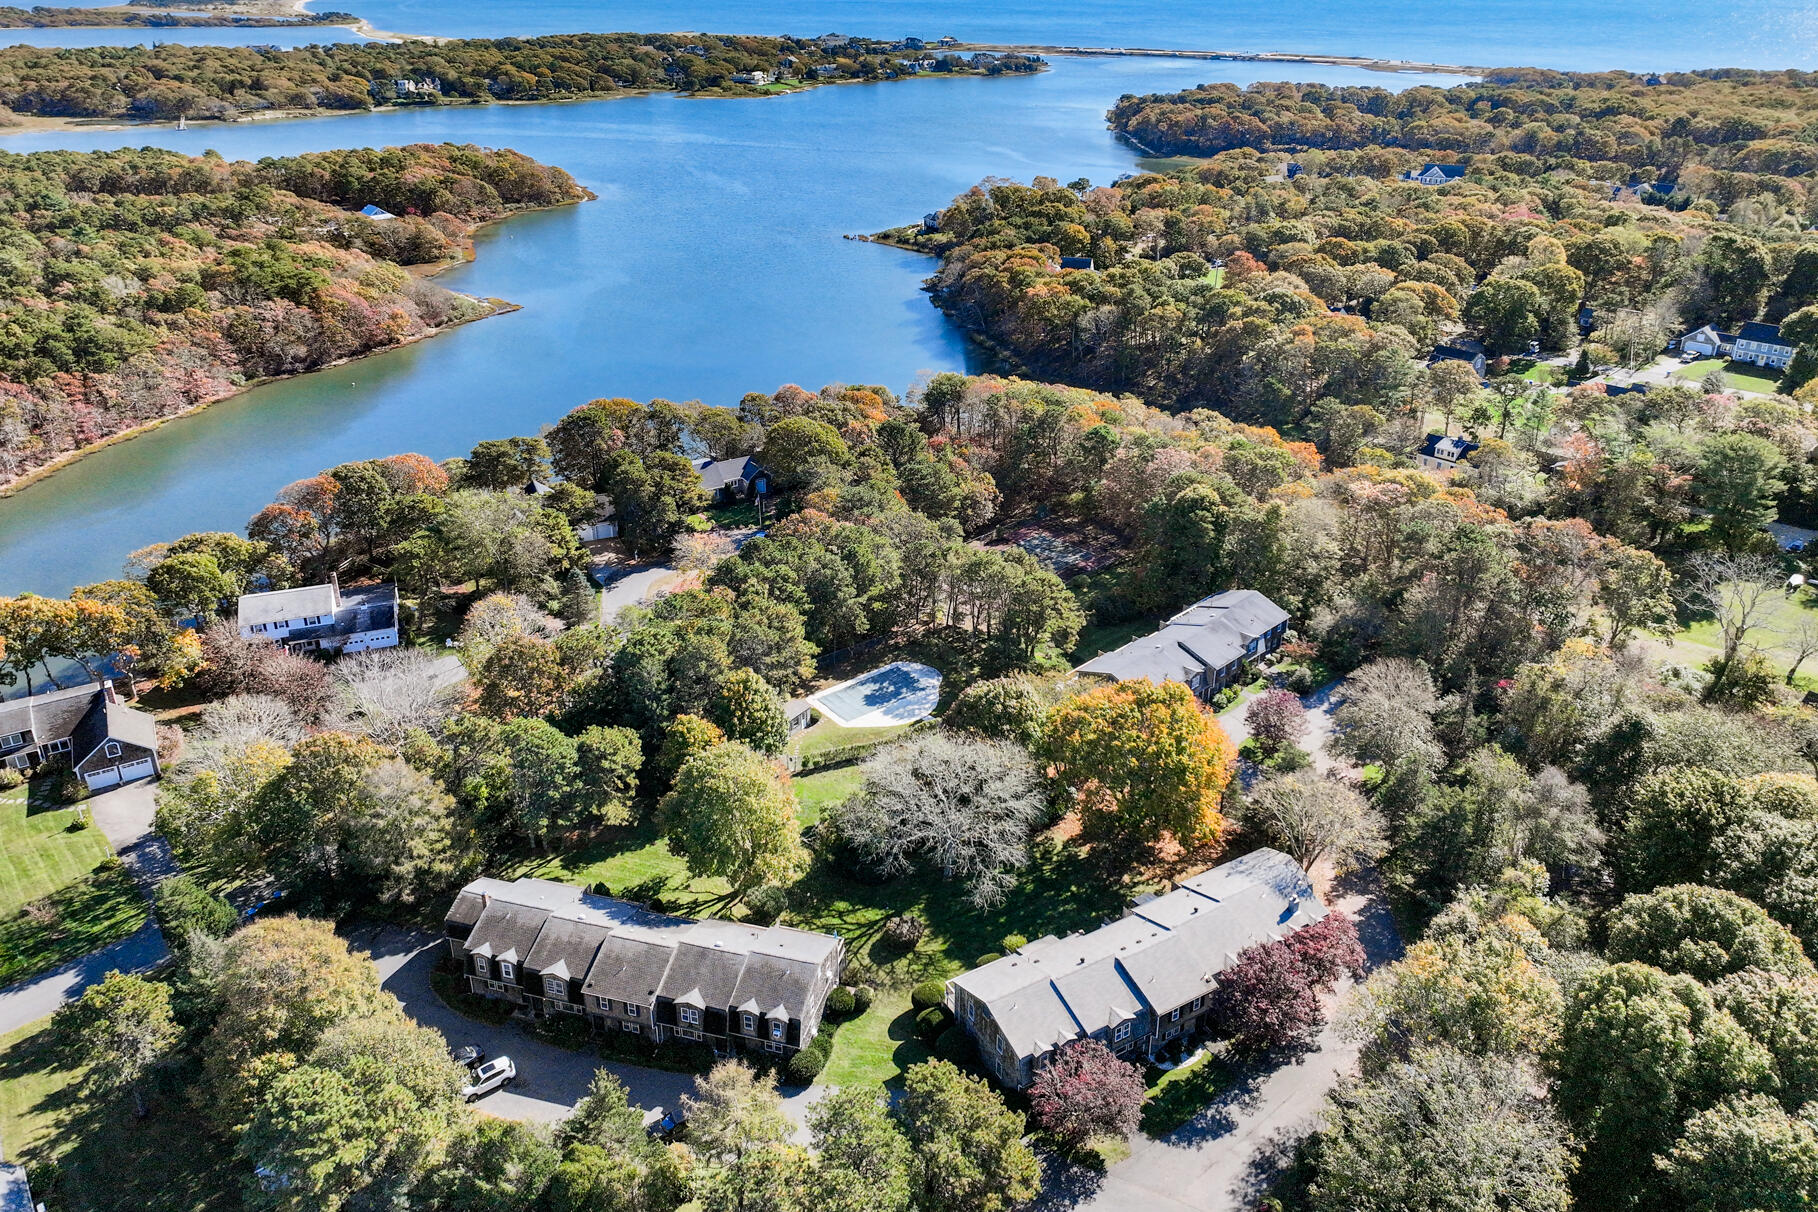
1138 984
550 948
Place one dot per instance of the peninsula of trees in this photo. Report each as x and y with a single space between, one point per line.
144 283
164 82
45 17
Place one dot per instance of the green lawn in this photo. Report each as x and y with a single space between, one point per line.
1783 614
821 789
825 736
62 892
90 1153
1739 375
1100 638
1061 891
1177 1096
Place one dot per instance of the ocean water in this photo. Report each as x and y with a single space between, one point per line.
713 264
1585 35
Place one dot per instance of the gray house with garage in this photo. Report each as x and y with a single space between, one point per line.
101 738
551 948
1207 646
1137 984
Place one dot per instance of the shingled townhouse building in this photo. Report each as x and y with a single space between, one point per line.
551 948
1135 984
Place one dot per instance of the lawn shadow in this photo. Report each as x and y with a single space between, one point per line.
1067 1183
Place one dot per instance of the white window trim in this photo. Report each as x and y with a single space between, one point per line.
778 1029
560 992
1174 1015
750 1023
507 970
631 1028
689 1015
11 739
1121 1032
482 966
634 1011
111 749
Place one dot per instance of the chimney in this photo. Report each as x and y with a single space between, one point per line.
107 690
334 584
485 900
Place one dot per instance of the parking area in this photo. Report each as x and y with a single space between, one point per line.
550 1079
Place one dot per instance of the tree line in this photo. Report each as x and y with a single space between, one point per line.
209 82
144 282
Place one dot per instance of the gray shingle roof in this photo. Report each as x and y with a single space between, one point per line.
717 473
1765 334
49 717
280 605
1207 635
1160 955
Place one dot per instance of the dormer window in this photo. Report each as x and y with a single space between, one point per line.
750 1024
112 749
507 970
778 1028
1121 1032
482 966
555 986
633 1011
690 1015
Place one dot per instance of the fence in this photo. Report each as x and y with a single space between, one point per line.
845 755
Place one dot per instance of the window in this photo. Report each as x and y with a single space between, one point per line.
1199 1001
1174 1015
633 1011
11 739
507 970
1122 1032
604 1003
773 1047
112 749
57 746
258 629
555 986
632 1028
690 1015
750 1023
482 966
778 1028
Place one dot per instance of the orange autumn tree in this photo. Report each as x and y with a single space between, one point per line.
1139 760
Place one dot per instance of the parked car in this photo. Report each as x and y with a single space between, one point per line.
666 1126
468 1056
493 1075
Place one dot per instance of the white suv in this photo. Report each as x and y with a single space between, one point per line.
495 1074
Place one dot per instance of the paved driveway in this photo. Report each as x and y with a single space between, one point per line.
124 816
1224 1159
550 1079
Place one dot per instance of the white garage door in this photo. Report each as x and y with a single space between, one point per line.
141 769
105 777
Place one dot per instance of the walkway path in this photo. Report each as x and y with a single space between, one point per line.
124 815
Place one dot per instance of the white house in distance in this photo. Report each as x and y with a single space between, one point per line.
323 618
1437 174
1442 454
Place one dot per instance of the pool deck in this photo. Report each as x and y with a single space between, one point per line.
899 693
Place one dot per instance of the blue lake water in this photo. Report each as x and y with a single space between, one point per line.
712 264
1590 35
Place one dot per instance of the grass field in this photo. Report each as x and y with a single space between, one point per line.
1782 616
1059 892
1739 375
87 1151
62 893
1177 1096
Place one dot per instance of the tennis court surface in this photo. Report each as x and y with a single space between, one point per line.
896 694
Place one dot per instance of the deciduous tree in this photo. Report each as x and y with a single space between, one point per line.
731 814
1086 1091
